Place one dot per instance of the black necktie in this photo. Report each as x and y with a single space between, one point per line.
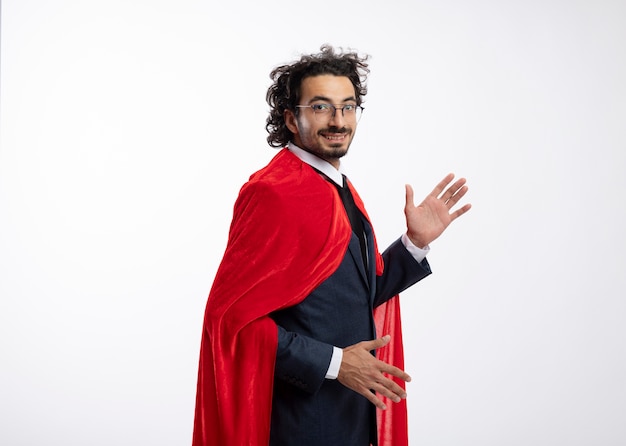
354 215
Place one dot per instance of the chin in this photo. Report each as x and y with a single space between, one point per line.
343 147
339 152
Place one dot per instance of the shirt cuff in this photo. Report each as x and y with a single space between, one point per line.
335 363
418 254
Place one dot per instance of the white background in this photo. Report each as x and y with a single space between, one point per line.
128 127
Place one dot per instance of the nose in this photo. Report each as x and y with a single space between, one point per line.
337 118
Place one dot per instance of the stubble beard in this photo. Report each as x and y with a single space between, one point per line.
322 147
337 150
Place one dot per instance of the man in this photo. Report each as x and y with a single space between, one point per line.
288 347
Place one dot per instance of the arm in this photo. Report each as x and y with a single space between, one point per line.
302 361
360 371
401 271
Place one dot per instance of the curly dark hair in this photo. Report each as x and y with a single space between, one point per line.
284 94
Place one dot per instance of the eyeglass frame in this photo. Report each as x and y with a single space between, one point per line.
358 109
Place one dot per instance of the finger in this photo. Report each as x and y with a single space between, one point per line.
442 185
409 196
395 371
374 399
456 214
454 189
456 196
375 343
390 389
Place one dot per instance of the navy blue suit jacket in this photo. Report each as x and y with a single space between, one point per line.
307 408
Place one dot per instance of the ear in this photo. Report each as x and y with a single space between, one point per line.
291 121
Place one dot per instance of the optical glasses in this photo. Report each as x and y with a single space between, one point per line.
326 111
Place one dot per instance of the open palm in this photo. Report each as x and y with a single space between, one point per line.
427 221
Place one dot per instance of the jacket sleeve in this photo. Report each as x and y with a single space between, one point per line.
301 360
401 271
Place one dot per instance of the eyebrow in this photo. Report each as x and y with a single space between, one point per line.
325 99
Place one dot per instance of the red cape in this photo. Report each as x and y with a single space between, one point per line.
289 233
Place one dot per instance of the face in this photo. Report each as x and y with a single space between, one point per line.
330 137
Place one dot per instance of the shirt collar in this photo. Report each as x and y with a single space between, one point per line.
323 166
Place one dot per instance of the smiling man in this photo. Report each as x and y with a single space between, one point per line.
301 342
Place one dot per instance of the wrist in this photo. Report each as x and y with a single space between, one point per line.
417 241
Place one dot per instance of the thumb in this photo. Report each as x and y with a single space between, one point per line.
378 343
409 195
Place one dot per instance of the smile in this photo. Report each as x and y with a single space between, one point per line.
335 136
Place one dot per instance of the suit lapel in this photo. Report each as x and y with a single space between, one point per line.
355 251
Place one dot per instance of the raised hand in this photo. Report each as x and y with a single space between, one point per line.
362 372
427 221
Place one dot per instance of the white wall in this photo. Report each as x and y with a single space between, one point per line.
127 128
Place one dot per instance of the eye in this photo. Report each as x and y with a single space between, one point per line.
350 108
321 108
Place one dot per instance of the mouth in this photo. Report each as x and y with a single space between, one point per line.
335 136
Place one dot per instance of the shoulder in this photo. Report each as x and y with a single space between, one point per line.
270 192
285 179
283 167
